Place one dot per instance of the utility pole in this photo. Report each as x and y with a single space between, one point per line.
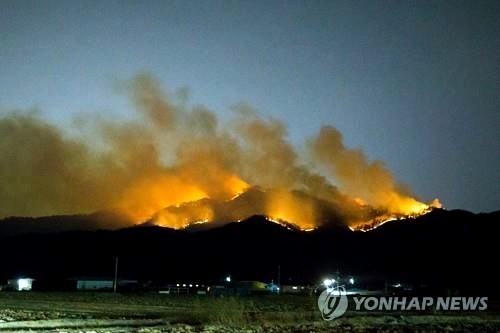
279 279
115 283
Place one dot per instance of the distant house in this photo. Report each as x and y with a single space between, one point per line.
102 283
253 285
182 289
273 288
20 284
94 284
296 289
239 288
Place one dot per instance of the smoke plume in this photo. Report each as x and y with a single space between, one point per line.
178 165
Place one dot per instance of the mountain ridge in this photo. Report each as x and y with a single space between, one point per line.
442 248
103 220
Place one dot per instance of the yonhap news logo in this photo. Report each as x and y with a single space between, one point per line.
333 303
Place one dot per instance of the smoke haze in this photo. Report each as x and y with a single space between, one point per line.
179 164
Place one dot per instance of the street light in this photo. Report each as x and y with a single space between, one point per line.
328 282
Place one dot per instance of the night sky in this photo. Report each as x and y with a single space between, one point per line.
415 84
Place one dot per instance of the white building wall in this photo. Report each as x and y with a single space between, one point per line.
21 284
94 284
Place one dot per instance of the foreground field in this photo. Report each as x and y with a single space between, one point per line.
105 312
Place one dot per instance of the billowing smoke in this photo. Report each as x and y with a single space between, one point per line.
372 182
178 165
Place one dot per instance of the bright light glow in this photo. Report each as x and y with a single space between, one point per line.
351 281
295 288
228 278
24 284
328 282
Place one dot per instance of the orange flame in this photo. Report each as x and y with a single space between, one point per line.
409 208
145 198
287 207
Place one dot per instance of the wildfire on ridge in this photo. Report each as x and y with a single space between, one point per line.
174 164
278 206
413 211
288 209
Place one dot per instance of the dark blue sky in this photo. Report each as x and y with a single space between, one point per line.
415 84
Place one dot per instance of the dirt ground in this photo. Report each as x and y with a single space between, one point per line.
99 313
